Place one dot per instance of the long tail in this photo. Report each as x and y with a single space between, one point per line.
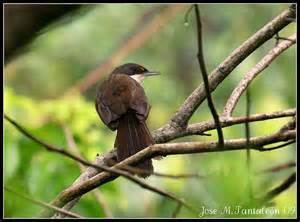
132 136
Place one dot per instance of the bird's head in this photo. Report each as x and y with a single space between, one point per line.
135 71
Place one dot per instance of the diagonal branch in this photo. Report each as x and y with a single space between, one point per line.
258 68
97 194
279 189
43 204
200 56
89 173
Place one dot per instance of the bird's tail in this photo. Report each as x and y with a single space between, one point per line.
132 136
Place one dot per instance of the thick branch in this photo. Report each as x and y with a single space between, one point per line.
255 143
258 68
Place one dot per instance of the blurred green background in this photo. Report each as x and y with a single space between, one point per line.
68 50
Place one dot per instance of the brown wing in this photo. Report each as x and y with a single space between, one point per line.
118 95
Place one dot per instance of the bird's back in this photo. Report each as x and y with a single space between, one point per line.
118 95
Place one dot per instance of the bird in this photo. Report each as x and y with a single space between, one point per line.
122 105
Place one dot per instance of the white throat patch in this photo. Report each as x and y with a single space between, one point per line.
138 77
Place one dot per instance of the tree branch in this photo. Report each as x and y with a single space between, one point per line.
248 134
279 189
255 143
258 68
89 173
197 128
72 147
176 210
280 146
43 204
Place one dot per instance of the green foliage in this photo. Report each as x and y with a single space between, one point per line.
64 54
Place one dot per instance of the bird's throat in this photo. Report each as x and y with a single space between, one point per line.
138 77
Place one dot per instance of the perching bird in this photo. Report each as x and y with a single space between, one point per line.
122 105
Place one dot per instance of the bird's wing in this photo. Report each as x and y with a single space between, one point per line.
139 102
103 106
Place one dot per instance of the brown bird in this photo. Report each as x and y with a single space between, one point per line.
123 106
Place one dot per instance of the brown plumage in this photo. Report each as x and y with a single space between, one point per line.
122 105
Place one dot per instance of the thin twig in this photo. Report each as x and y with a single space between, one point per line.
41 203
283 38
186 15
201 61
279 167
279 189
248 108
279 146
176 210
247 132
276 39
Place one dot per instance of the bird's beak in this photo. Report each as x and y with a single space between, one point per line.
151 73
